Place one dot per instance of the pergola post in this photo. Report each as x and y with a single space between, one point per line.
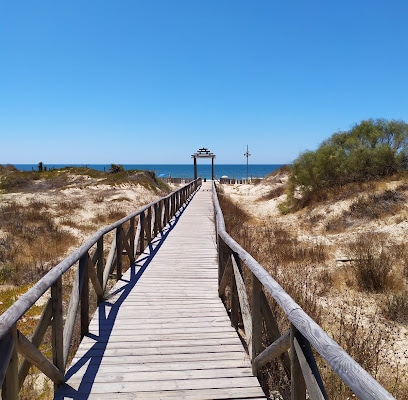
195 167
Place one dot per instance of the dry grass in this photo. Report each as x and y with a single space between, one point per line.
43 217
361 302
33 242
372 262
377 205
273 193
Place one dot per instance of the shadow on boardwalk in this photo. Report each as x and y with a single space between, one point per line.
107 312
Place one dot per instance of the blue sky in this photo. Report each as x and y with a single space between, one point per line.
133 82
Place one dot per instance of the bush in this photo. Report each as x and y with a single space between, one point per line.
372 262
115 168
372 149
377 205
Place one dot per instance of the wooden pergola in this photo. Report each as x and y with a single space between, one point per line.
203 153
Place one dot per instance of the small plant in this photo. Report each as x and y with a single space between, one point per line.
377 205
365 339
273 193
99 198
372 262
336 224
115 168
396 307
237 217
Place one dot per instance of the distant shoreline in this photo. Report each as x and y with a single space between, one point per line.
237 171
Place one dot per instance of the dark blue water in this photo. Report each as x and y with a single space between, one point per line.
235 171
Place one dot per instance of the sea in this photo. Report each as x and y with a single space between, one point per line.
232 171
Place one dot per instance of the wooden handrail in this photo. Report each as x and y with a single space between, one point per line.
303 328
152 218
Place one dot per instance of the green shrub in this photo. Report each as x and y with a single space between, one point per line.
115 168
372 149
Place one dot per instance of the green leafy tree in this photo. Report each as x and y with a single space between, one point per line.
371 149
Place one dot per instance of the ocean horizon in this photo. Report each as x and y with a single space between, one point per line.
233 171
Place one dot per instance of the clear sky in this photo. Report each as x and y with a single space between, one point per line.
136 82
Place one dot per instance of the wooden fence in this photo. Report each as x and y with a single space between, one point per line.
89 262
254 314
177 180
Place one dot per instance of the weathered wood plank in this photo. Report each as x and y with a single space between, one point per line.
135 366
37 338
9 365
244 304
313 387
273 350
181 384
196 394
35 357
129 352
105 375
242 360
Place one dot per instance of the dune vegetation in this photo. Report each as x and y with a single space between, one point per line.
331 229
44 216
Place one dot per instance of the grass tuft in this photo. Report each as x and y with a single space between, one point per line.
372 262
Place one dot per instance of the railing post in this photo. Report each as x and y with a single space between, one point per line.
149 226
166 211
132 233
156 228
173 204
256 320
142 232
57 326
73 305
178 202
160 215
83 263
119 249
221 266
273 330
100 265
298 386
10 385
234 301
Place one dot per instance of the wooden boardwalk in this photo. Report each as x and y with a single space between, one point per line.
164 333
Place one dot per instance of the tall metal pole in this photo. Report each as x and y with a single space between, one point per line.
247 154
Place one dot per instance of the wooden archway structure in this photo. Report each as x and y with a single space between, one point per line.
203 153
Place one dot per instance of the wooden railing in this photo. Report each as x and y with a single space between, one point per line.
293 348
131 235
177 180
